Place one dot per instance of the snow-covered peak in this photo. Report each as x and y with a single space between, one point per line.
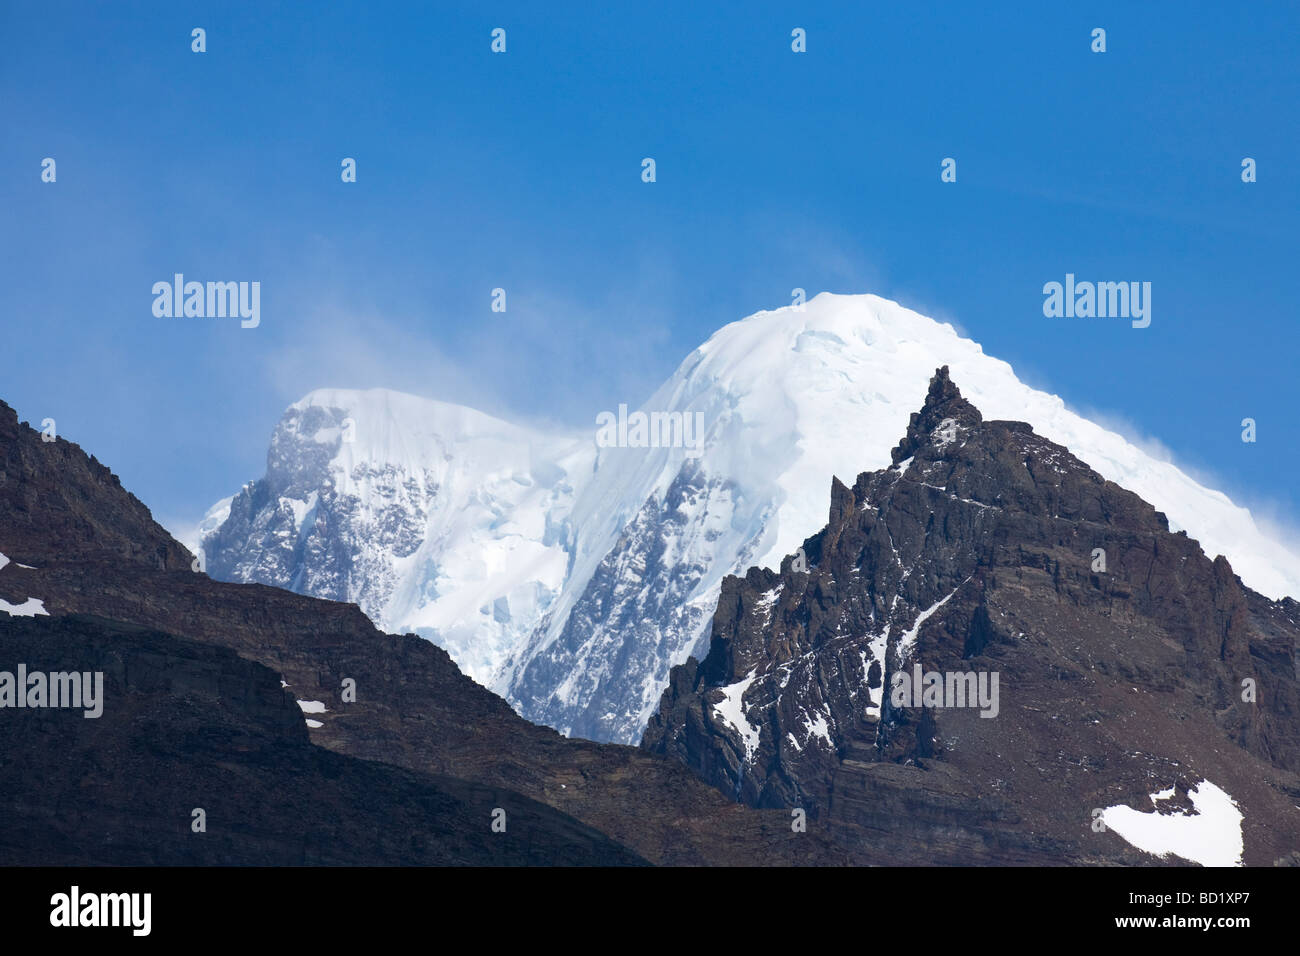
396 423
569 574
433 517
828 390
789 398
410 432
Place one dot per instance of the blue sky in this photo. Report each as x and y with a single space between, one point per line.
522 170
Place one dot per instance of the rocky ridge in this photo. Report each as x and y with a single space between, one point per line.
1120 648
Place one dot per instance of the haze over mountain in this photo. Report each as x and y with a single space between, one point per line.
571 578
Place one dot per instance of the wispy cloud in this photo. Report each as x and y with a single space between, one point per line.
547 359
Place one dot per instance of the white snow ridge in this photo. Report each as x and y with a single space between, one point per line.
570 579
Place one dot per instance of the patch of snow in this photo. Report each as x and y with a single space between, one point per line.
818 728
876 646
766 601
908 641
312 706
1210 835
29 608
731 709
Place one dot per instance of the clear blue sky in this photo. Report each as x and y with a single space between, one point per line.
522 170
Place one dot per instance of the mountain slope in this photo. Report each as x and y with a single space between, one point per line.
790 399
1112 654
623 550
433 518
413 709
207 729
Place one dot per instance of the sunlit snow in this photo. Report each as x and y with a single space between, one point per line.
29 608
907 643
516 522
1210 836
732 711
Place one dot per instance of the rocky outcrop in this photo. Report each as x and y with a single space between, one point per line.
1120 651
80 513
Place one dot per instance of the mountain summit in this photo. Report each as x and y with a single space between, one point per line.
571 578
944 408
987 649
433 518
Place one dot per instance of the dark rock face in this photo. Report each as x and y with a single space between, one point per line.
980 551
81 513
185 726
94 550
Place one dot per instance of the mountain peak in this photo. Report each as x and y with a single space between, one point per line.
524 555
943 404
997 555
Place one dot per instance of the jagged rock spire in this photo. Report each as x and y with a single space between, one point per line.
942 402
